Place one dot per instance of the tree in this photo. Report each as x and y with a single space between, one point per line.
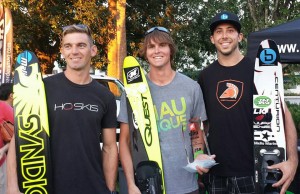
117 33
38 23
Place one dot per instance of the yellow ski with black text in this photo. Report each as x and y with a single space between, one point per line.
141 116
31 126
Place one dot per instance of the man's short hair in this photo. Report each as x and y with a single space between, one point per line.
79 28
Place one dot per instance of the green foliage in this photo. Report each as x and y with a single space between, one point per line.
292 75
38 23
295 111
140 16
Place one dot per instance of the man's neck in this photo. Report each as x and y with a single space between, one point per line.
10 102
230 60
78 77
161 77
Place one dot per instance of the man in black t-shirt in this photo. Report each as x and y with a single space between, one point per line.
79 110
227 86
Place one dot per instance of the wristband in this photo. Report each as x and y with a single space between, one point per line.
198 152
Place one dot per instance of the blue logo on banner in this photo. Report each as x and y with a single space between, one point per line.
268 56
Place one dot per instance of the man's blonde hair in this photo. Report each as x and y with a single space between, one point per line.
77 28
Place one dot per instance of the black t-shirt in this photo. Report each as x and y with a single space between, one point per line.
77 114
228 94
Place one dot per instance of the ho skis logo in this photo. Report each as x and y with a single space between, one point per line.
75 106
133 74
229 92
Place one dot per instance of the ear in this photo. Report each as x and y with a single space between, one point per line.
212 39
241 36
61 53
10 99
94 50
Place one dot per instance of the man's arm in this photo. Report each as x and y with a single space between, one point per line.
126 159
288 167
12 177
198 145
110 157
3 150
197 138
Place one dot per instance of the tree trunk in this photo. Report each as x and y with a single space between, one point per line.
121 35
117 38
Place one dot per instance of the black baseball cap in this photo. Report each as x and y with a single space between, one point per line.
225 17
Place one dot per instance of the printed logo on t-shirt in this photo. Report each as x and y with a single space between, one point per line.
171 115
229 92
75 106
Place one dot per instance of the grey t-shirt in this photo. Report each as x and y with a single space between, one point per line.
175 104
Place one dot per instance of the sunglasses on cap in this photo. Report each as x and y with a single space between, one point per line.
159 28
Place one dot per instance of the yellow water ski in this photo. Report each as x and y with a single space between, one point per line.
142 121
31 126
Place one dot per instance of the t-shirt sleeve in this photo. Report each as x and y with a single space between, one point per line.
110 118
199 106
123 116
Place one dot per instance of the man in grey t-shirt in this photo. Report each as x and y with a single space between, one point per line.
178 102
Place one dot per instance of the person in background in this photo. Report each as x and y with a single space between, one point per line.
6 115
80 110
6 93
230 114
172 103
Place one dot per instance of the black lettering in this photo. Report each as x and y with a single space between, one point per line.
148 130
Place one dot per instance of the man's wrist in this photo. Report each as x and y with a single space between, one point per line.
199 151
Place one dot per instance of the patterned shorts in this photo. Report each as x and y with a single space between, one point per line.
229 185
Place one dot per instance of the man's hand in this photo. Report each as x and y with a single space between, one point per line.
200 169
13 191
288 169
133 189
